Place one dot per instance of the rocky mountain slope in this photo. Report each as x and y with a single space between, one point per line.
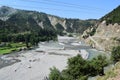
23 20
106 33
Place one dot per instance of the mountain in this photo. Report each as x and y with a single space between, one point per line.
23 20
112 17
106 33
5 12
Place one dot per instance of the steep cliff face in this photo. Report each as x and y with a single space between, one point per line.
107 32
55 20
106 36
72 25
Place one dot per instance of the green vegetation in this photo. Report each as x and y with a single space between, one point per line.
98 65
60 29
23 21
28 39
55 74
93 31
78 26
22 27
115 55
111 73
80 69
70 35
10 47
30 27
112 17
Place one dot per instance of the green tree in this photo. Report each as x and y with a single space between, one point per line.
27 39
77 66
80 69
98 64
55 74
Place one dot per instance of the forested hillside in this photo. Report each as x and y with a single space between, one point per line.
112 17
30 27
32 20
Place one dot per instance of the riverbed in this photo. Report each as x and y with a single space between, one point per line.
36 64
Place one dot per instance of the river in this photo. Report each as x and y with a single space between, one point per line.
35 64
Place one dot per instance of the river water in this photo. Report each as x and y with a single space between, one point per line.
56 52
65 43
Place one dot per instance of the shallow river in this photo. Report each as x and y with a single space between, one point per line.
36 63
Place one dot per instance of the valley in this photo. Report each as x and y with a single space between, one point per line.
36 63
39 46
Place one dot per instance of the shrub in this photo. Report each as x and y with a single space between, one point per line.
115 55
55 74
80 69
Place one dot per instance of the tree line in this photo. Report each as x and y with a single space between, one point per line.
29 38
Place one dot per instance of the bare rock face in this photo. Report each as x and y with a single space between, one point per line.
54 20
107 32
71 25
106 36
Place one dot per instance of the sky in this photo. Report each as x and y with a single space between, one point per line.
82 9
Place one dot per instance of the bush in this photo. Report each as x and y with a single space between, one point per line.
70 35
77 66
83 78
80 69
98 65
115 55
55 74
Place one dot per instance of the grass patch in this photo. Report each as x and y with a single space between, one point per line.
11 47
